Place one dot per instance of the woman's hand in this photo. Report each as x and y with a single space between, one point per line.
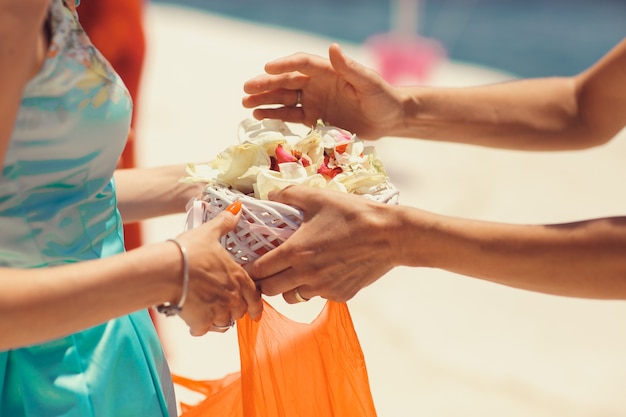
343 245
339 91
220 290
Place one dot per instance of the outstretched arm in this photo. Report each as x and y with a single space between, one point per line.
533 114
556 113
347 242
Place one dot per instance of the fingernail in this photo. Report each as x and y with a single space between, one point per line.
234 207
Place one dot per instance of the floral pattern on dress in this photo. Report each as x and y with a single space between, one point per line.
71 52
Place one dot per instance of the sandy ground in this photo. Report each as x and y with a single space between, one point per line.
436 343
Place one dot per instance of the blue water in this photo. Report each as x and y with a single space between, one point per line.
525 37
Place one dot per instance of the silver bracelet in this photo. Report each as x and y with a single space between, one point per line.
168 308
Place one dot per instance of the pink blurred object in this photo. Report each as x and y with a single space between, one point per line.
403 55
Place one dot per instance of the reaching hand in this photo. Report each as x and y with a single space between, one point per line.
342 246
339 91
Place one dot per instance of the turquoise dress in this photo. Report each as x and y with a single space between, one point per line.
58 206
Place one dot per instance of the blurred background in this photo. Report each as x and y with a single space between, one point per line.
436 344
527 38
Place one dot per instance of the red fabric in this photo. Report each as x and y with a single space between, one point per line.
116 28
291 369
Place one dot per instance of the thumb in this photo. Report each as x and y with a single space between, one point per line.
360 77
298 196
227 220
285 195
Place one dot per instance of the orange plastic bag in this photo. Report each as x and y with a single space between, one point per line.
291 369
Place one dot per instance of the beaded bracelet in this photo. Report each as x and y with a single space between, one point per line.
168 308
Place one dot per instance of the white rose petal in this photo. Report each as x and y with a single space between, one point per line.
246 166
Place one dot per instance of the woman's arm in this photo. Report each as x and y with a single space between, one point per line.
42 304
143 193
37 305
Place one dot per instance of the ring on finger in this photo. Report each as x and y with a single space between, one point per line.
298 98
299 296
225 327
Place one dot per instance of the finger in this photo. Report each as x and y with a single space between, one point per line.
280 283
278 260
225 221
340 62
282 96
218 328
287 114
239 306
297 295
354 73
273 262
301 197
197 332
222 322
264 83
243 293
237 309
301 62
234 208
252 297
257 85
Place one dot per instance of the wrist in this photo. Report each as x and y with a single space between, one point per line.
171 308
181 191
410 104
161 266
413 234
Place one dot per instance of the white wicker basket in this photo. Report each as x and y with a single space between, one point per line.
263 225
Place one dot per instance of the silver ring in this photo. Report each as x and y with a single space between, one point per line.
226 327
299 296
298 98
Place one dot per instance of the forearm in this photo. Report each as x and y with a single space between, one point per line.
42 304
584 259
536 114
144 193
